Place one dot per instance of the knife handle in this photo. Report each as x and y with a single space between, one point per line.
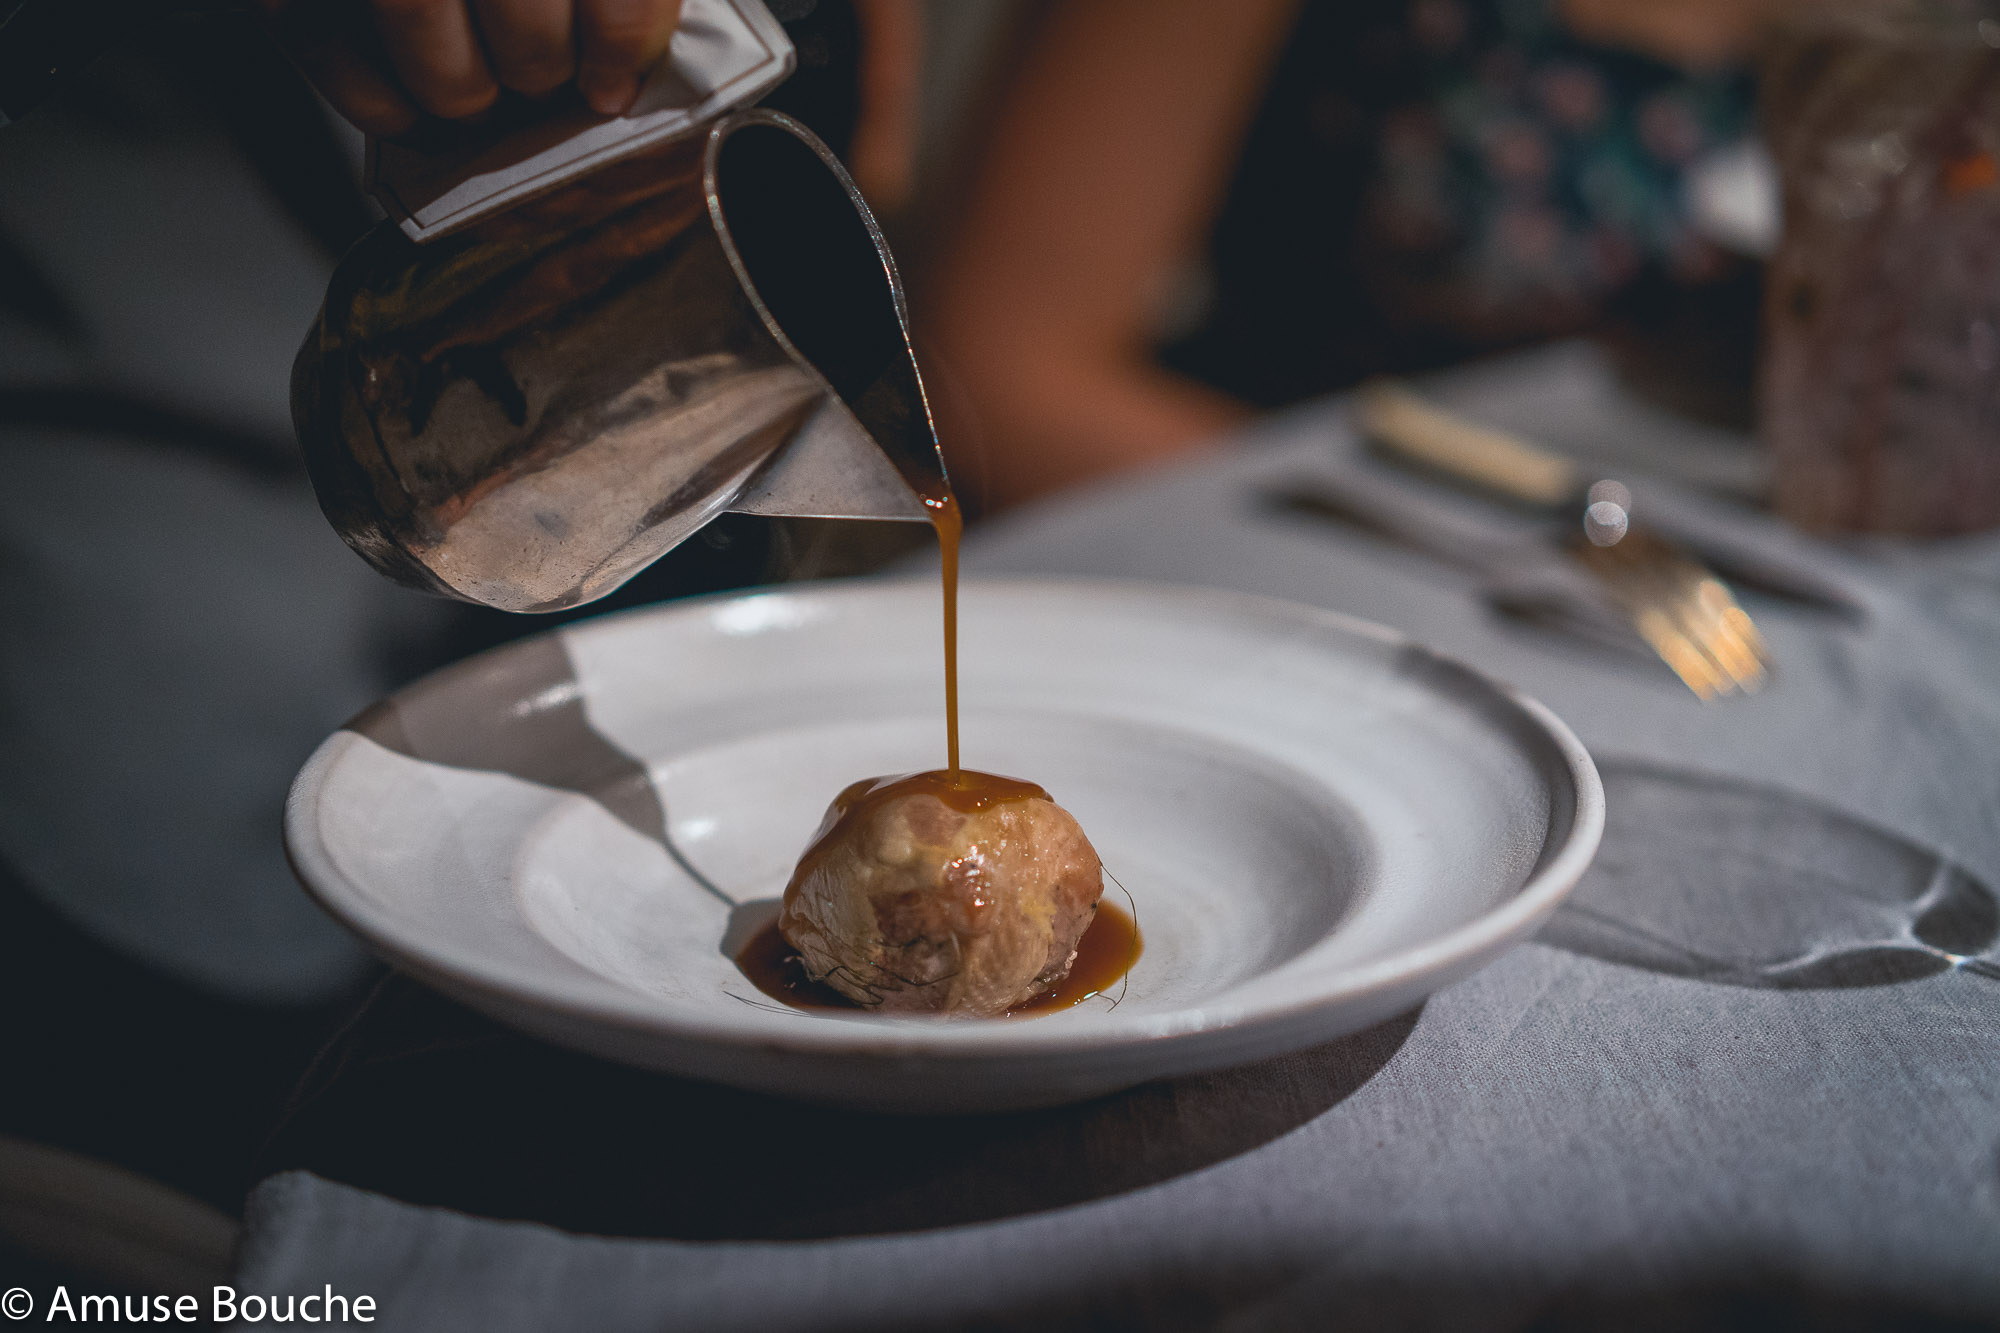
1393 416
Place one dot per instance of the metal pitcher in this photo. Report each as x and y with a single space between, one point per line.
530 410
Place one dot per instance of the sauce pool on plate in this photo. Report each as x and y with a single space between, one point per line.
1106 953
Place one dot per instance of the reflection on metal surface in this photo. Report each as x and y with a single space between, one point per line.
1607 513
530 411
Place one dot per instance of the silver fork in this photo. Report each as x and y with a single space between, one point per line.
1683 611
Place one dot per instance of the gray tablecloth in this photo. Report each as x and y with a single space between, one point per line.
1753 1071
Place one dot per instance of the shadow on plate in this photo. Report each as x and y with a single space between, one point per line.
1745 885
521 712
428 1102
518 712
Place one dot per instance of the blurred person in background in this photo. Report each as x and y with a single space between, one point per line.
1181 211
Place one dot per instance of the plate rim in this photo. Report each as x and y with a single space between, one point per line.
1445 957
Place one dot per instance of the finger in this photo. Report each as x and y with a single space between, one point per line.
529 42
360 91
436 54
617 42
344 61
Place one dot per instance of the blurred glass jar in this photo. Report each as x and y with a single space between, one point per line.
1880 382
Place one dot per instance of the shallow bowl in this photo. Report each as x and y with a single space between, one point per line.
1319 823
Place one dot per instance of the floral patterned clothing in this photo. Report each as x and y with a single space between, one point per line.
1432 178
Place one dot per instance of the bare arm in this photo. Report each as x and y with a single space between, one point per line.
1109 152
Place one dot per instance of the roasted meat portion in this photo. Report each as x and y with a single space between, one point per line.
946 894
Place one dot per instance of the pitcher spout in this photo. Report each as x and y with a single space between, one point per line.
815 267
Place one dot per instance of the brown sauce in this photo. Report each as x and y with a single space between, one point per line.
962 790
1110 944
965 791
949 524
1109 947
774 967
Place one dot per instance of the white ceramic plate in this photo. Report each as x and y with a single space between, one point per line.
1319 821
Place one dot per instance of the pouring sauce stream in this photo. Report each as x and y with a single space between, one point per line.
949 524
1109 947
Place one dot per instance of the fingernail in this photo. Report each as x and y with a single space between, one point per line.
612 96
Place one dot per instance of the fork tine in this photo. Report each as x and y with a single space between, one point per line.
1720 602
1722 627
1672 604
1684 614
1639 586
1695 668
